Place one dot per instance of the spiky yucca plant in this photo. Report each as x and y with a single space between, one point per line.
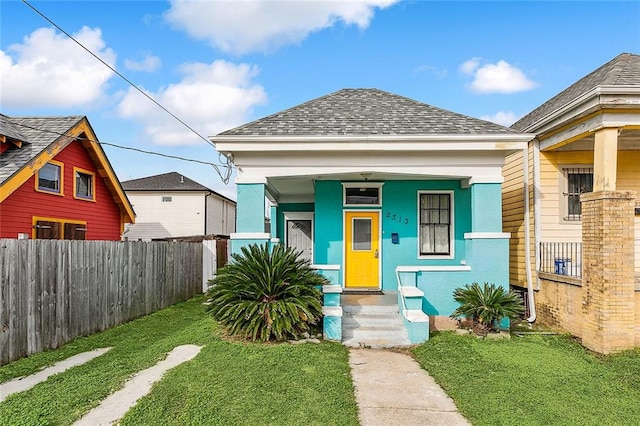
263 295
486 305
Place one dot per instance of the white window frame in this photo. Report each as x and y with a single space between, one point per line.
564 190
452 233
346 185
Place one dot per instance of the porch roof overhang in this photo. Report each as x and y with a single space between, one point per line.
602 107
310 143
289 165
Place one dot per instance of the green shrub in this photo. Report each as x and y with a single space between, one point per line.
263 295
486 305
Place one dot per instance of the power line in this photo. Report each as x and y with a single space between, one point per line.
227 165
225 178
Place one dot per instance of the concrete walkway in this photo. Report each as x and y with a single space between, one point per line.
25 383
116 405
392 389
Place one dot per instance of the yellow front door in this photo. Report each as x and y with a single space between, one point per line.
362 249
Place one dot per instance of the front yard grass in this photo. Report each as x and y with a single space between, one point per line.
227 383
534 380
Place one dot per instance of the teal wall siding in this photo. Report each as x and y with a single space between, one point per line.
477 209
286 208
486 200
400 214
328 223
236 245
250 207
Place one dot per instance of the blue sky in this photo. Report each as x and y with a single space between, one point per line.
220 64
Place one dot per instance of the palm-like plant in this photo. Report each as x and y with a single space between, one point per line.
487 305
264 295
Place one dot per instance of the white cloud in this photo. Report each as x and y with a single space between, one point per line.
260 25
504 118
500 77
50 70
210 98
470 66
149 63
439 73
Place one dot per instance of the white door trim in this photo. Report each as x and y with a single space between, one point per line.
300 216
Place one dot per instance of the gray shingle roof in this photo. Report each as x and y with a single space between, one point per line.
38 133
9 129
171 181
356 112
623 70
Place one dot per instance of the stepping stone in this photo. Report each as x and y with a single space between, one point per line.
24 383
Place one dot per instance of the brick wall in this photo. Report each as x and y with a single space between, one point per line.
638 318
559 303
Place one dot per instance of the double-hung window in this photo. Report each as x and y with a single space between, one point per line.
84 184
578 180
49 178
436 223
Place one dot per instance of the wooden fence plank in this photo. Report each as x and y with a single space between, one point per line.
54 291
5 250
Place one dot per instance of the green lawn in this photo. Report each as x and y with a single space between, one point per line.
227 383
534 380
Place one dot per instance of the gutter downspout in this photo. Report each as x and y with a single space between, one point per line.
537 223
527 238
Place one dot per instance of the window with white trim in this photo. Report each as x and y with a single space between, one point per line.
578 180
360 194
435 223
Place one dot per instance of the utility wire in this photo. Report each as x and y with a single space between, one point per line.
227 165
226 177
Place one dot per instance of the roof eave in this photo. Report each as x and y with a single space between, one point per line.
444 142
579 105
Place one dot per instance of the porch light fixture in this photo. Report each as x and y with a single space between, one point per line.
365 176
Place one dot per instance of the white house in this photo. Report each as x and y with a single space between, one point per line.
171 205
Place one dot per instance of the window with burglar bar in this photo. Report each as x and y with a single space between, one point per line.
578 180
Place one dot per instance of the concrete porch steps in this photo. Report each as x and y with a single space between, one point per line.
372 321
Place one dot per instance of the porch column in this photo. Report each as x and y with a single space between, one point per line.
486 207
605 160
250 216
608 300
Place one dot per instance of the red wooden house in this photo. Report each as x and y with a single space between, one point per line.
57 183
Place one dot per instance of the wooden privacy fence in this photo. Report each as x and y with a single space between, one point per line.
53 291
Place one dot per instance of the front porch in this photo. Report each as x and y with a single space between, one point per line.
588 242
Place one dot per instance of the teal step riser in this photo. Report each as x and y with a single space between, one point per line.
413 302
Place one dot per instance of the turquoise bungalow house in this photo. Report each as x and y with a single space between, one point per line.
380 192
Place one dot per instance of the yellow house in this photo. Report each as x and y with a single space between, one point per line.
575 236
